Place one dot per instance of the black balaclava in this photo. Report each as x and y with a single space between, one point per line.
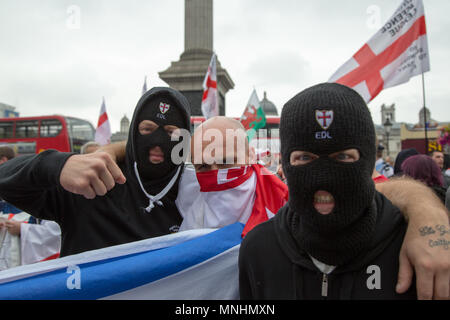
163 111
164 106
324 119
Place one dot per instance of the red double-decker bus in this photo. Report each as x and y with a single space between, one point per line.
28 135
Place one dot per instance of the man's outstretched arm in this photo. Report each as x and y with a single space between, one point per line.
30 182
425 248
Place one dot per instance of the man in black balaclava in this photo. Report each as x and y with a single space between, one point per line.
336 231
149 149
100 213
342 122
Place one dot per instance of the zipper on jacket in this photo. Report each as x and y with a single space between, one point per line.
324 285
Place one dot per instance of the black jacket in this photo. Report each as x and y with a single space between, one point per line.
271 265
31 183
440 192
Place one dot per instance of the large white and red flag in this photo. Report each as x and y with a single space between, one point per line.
396 53
103 131
210 103
216 198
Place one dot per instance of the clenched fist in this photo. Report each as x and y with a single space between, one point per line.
90 175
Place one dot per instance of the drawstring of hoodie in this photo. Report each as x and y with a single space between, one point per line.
156 199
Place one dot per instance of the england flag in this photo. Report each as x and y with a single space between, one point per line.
103 131
210 104
396 53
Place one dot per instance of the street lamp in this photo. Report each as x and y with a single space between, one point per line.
387 128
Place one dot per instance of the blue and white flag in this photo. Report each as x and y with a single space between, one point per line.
189 265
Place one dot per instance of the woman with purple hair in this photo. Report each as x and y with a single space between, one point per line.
421 167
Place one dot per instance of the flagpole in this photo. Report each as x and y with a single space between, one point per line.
425 114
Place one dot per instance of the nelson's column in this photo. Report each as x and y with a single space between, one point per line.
187 74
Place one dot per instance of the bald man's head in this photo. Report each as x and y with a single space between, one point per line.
219 142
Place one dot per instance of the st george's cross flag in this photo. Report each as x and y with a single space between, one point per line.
270 196
103 131
210 103
396 53
248 194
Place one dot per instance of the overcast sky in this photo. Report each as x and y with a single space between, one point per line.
51 64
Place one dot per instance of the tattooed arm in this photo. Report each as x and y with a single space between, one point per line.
423 251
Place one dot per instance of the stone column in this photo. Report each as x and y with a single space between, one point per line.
198 25
187 74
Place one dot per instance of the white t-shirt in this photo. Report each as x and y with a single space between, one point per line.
324 268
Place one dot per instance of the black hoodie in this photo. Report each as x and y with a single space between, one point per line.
272 266
32 184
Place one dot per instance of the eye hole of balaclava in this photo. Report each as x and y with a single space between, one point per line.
156 120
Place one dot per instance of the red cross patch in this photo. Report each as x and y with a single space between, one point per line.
164 107
324 118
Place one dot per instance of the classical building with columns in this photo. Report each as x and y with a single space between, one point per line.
122 135
392 145
413 135
406 135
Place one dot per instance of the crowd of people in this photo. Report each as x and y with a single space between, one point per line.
432 169
23 238
325 219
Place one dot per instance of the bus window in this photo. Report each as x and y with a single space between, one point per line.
50 128
274 133
6 130
271 130
26 129
80 132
